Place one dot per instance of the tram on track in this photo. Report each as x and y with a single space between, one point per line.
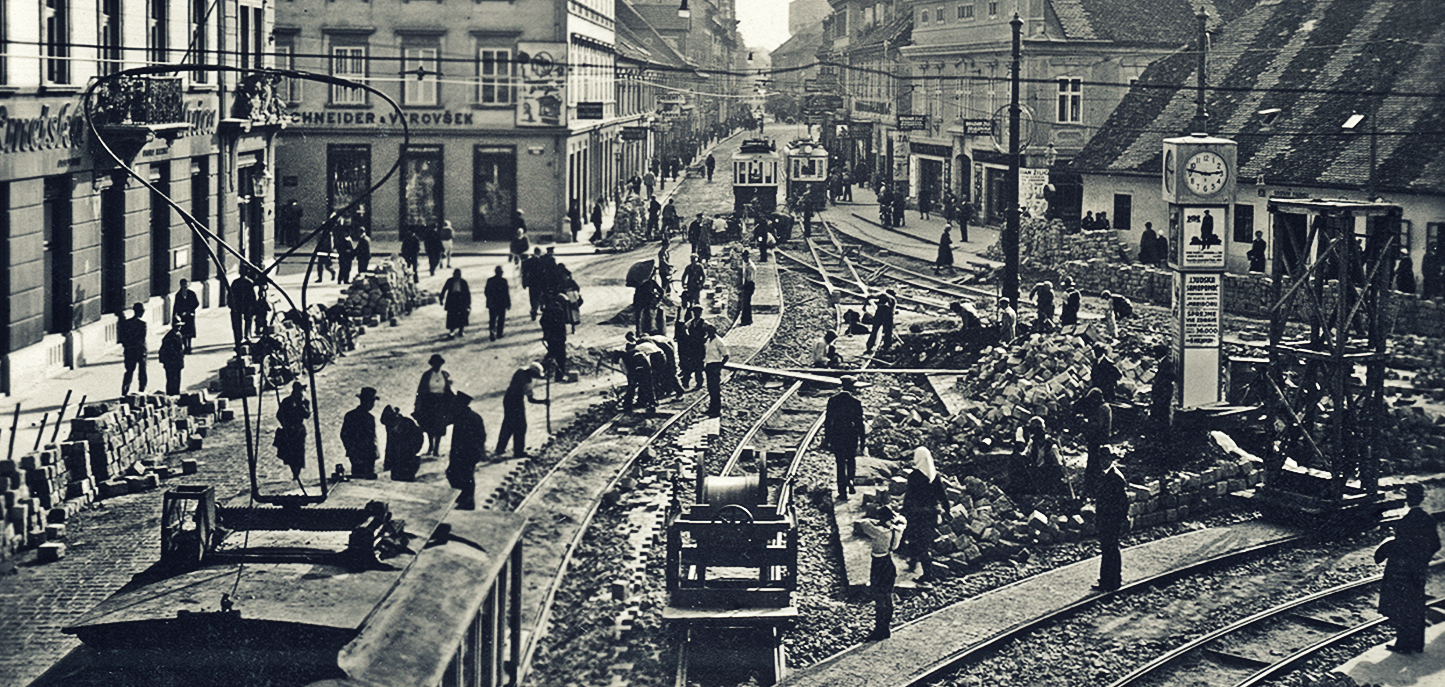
755 177
385 585
807 167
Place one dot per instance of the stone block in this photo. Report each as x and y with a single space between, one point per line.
50 552
190 466
54 532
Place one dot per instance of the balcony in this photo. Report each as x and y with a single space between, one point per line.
132 111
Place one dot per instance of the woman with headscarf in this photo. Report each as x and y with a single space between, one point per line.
945 250
457 300
923 502
433 403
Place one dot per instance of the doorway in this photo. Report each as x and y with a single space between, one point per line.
494 186
59 249
421 189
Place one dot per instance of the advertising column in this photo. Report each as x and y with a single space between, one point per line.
1198 184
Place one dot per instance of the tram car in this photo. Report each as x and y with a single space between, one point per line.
807 167
384 585
755 177
732 568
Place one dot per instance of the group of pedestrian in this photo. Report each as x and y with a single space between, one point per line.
1154 247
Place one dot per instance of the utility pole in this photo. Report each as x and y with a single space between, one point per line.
1010 238
1201 111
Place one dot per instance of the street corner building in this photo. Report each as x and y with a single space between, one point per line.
86 238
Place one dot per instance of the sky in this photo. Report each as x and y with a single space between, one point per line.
763 23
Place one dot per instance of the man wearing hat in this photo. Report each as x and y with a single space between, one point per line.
433 406
358 435
884 533
843 433
469 446
882 319
131 335
1407 560
514 410
290 441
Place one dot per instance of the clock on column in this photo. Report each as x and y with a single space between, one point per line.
1199 169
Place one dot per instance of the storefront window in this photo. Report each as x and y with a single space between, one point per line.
348 178
421 188
494 185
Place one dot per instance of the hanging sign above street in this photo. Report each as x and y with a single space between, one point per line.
823 103
978 127
634 133
912 122
589 110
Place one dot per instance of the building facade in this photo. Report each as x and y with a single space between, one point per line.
85 238
1292 141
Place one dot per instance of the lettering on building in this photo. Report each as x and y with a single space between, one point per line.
385 119
64 129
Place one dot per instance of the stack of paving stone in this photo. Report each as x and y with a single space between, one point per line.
380 295
1046 244
983 523
238 378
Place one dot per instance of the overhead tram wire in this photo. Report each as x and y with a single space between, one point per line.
197 227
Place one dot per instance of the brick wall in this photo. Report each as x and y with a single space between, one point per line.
1244 294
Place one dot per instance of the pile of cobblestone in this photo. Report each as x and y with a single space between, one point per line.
379 295
1046 243
113 449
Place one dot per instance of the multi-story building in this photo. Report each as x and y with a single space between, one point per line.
709 40
1294 73
861 51
85 238
794 66
512 109
949 62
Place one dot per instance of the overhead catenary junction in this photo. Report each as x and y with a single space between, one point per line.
1062 343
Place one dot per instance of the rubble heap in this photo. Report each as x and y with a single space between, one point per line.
382 294
112 449
983 523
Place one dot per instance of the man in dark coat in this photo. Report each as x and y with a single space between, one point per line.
358 435
710 163
531 281
290 441
404 440
1105 374
456 298
172 357
1098 426
596 217
184 312
1407 561
288 222
1043 295
1432 271
639 389
469 447
1146 244
746 287
499 299
1256 252
363 251
646 298
654 215
882 320
574 218
514 410
131 335
243 302
432 241
1405 274
689 337
1111 503
693 278
410 251
843 434
554 334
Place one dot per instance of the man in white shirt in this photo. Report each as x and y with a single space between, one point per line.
715 355
745 291
825 353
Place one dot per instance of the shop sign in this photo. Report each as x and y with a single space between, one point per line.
874 106
1032 183
541 95
373 119
860 130
634 133
912 122
932 149
823 103
978 127
589 110
63 129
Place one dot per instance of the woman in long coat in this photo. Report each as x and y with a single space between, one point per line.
945 250
457 299
571 293
1402 592
434 403
923 502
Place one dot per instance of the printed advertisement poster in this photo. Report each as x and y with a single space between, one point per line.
542 95
1200 311
1031 190
1202 243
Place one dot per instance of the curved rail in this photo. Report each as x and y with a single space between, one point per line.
1249 630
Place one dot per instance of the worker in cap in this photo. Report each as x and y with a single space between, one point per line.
358 435
514 409
843 434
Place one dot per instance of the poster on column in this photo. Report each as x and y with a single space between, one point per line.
542 95
1201 244
1032 183
1197 312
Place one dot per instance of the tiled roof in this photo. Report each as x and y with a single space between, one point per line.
1315 60
1141 21
632 24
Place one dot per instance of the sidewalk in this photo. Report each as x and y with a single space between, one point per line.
918 238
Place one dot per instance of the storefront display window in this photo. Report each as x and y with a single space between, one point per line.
494 185
348 178
421 188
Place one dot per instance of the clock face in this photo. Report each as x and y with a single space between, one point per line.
1206 173
1168 171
